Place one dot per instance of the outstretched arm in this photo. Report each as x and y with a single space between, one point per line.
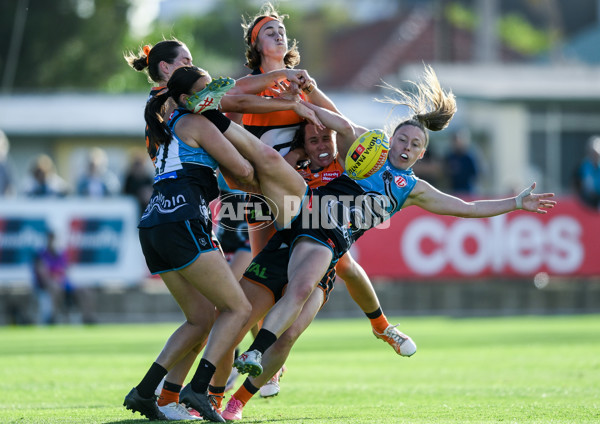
431 199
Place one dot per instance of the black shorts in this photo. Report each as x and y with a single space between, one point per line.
173 246
269 268
232 229
312 222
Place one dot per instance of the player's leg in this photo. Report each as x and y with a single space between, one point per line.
361 290
274 357
260 234
308 263
239 262
169 389
281 185
211 275
199 313
261 300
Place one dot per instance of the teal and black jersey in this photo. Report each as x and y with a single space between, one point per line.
185 181
396 184
341 211
172 158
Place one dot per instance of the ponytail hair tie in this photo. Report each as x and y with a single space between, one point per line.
146 50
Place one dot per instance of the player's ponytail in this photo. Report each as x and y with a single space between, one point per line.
436 106
432 107
158 131
149 57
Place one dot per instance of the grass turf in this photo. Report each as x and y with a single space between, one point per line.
483 370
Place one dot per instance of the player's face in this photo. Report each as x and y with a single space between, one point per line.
407 146
272 40
319 146
201 83
184 58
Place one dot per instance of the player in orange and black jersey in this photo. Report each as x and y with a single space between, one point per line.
272 61
322 164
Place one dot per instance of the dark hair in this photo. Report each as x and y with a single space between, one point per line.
181 82
166 50
298 140
292 56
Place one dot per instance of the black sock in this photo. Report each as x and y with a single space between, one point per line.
375 314
151 380
216 389
250 387
221 121
264 339
202 377
172 387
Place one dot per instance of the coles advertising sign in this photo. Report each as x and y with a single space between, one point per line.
100 236
420 244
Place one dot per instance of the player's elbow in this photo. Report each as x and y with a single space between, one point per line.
346 129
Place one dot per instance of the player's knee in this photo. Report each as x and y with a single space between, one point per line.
300 294
288 338
269 156
241 308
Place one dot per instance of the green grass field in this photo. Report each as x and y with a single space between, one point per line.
484 370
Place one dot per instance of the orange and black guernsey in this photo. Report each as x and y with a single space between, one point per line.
276 129
320 177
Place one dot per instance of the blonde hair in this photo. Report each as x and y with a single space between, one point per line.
432 107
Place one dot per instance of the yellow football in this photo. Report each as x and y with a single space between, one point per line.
367 154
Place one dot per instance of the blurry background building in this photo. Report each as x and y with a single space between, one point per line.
526 74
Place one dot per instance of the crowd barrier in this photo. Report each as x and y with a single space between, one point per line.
101 236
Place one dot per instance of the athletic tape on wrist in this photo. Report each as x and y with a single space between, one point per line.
521 195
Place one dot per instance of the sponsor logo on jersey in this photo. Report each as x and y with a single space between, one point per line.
400 181
330 176
165 205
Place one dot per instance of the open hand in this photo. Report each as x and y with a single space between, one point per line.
533 202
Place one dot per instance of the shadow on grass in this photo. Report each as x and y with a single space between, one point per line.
246 420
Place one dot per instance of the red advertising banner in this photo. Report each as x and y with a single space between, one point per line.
418 244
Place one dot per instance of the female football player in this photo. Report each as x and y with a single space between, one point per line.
344 208
159 62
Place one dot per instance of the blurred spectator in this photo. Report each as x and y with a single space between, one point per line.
461 165
6 174
588 174
139 179
98 181
430 168
51 285
43 179
56 295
